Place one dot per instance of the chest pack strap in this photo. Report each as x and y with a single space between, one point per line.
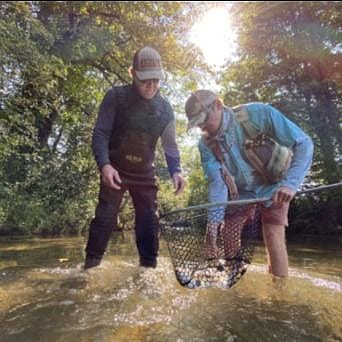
214 145
270 159
242 116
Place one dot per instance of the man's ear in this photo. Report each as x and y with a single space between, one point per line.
218 105
131 72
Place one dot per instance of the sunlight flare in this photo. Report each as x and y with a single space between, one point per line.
213 34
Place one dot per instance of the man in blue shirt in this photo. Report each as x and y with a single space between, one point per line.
131 119
219 123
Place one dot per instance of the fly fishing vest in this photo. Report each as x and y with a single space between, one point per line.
137 126
270 159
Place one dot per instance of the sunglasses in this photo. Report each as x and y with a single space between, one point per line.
205 112
153 80
202 116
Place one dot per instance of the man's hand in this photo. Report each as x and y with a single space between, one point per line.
110 177
178 182
283 195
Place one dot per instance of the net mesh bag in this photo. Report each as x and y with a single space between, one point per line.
211 246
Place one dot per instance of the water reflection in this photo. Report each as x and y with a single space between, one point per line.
45 296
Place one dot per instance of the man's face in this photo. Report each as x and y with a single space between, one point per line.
147 88
213 119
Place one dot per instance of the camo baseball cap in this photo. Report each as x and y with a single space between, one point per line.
197 107
147 64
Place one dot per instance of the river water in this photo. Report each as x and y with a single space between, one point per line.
45 296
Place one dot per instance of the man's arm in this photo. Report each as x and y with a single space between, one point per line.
218 191
301 162
103 128
101 137
289 134
217 188
168 140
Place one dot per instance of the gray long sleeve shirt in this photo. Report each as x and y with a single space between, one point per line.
104 125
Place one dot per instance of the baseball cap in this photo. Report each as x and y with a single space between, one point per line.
147 64
197 107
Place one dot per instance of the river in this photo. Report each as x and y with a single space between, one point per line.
46 296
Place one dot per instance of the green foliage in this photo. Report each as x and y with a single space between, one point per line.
58 59
290 56
197 183
318 214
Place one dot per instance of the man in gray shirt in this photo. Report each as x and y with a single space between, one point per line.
130 121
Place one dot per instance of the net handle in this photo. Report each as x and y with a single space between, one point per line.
247 201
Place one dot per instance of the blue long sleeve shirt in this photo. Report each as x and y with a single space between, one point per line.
274 124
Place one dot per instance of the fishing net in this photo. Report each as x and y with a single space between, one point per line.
211 246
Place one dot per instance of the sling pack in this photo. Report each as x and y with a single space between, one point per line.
215 147
270 159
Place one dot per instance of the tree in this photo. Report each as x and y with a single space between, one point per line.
58 59
290 55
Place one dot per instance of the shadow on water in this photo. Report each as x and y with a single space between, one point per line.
45 296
